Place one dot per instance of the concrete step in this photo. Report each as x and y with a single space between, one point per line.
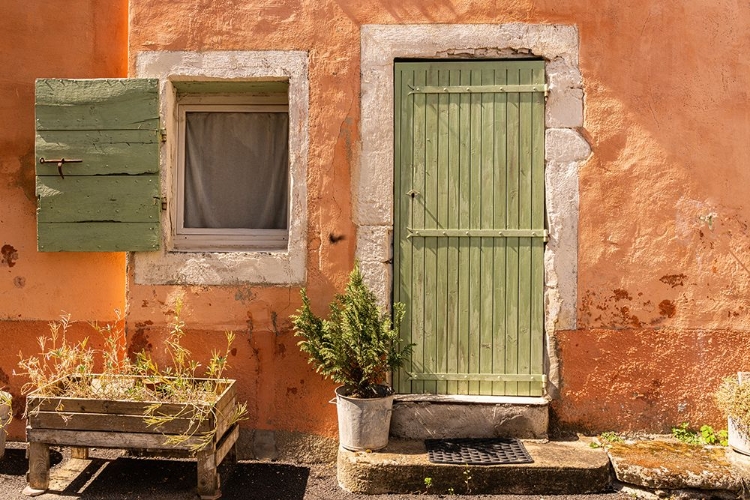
559 468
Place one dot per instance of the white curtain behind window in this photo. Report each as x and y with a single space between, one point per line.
236 170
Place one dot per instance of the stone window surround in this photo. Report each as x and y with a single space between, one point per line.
565 149
282 267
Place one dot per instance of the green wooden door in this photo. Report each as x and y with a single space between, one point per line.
469 225
105 196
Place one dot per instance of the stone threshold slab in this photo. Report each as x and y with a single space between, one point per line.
559 468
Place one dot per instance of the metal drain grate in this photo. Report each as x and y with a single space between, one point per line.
477 451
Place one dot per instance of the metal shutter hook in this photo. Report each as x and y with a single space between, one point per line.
60 163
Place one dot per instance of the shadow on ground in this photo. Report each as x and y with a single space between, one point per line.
147 478
14 462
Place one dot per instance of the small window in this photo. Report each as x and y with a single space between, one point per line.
232 176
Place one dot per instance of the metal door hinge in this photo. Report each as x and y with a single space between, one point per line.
163 135
481 89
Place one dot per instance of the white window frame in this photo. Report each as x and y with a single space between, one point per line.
285 266
218 239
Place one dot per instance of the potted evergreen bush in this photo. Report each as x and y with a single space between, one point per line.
357 346
733 399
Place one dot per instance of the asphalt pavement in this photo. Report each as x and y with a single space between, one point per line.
114 475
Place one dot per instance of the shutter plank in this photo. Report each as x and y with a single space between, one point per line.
537 220
441 340
464 269
398 226
105 151
430 222
486 274
107 104
98 236
454 208
418 220
500 220
94 198
475 221
512 254
524 263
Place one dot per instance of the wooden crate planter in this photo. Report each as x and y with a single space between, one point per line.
106 423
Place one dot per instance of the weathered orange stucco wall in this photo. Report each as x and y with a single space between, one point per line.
72 39
662 285
663 271
663 263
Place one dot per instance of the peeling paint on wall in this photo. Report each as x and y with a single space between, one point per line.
8 255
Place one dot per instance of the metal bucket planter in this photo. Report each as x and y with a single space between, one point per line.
738 437
5 410
364 424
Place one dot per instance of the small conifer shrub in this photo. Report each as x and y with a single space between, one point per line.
358 345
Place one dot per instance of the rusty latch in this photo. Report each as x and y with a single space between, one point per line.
59 164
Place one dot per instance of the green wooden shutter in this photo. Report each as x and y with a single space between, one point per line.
110 200
469 225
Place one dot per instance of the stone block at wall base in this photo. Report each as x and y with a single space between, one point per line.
286 446
527 418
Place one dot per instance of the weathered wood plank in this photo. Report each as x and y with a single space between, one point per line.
512 244
464 246
98 236
487 272
443 210
115 423
38 477
454 204
224 415
430 222
475 221
208 477
104 439
537 217
99 199
537 315
405 203
500 220
227 442
524 221
104 152
230 87
485 377
103 406
418 220
35 402
113 104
